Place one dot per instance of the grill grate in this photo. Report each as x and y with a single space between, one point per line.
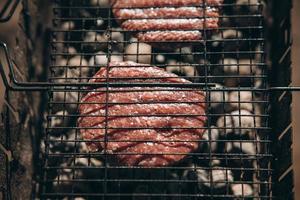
233 160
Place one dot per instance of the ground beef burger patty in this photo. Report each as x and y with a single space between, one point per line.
161 3
144 126
179 21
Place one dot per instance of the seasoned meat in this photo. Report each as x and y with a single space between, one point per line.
168 24
138 94
161 3
155 21
135 72
169 36
166 12
145 126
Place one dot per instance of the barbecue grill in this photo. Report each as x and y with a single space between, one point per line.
243 66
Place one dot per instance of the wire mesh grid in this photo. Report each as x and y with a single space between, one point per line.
232 158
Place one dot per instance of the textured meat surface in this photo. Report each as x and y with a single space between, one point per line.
93 100
160 3
178 36
166 12
179 21
169 24
145 126
134 72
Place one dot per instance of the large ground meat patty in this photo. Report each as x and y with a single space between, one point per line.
145 126
180 21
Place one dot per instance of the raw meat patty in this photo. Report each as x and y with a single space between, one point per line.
161 3
180 21
145 126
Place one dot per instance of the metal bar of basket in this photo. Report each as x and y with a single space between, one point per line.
43 86
9 4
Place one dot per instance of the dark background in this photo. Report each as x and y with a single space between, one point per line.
296 100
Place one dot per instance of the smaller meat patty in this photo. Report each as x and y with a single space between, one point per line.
145 126
178 21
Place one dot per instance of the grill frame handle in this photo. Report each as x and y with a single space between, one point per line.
15 85
12 4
